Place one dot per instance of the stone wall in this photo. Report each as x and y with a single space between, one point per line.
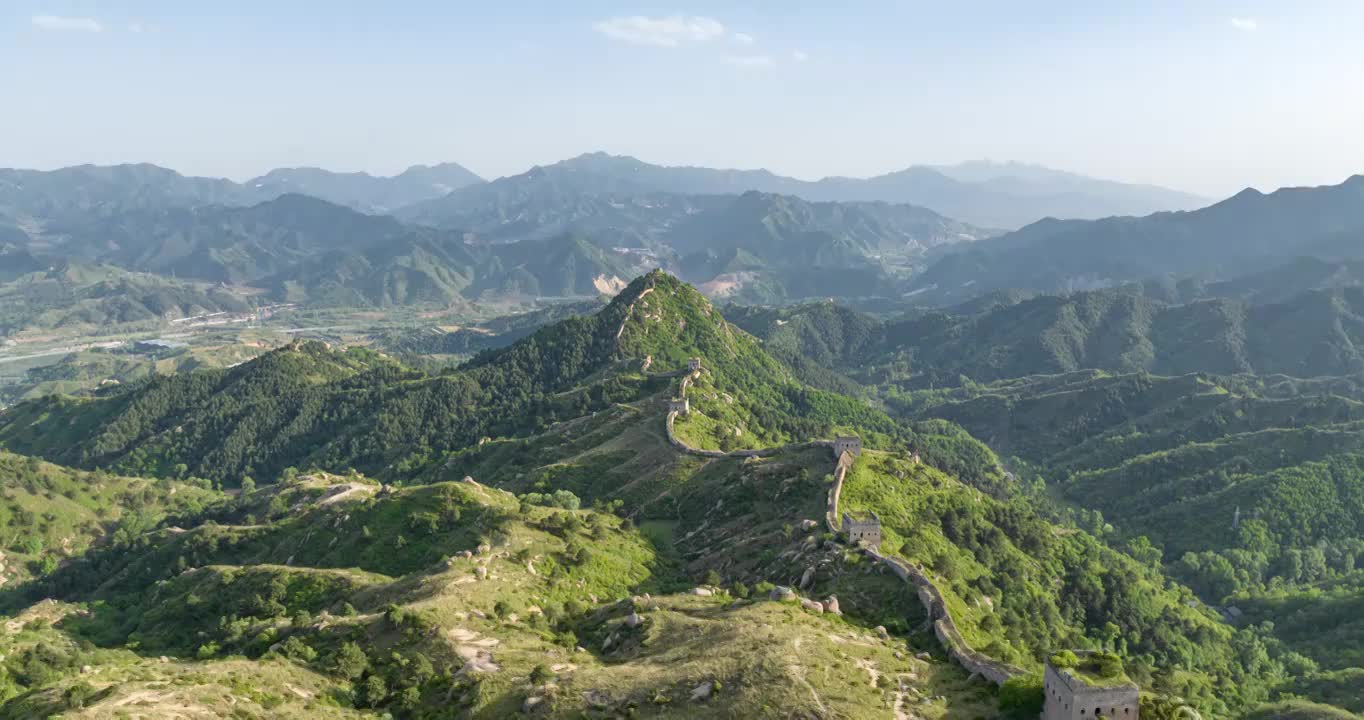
929 596
760 452
944 627
845 462
630 311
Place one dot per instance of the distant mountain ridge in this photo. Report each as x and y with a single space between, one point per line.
995 202
83 191
303 249
366 192
1245 233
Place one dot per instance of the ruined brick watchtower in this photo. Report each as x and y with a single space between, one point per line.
694 364
863 528
848 444
1081 693
681 406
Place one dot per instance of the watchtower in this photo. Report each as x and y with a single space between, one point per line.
680 406
863 529
1078 694
694 364
848 444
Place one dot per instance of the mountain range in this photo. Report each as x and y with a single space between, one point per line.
1245 233
705 539
994 195
982 194
81 192
615 216
366 192
303 249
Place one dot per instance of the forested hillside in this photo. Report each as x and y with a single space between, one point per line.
1245 486
1126 329
567 417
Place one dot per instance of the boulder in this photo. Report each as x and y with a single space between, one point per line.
702 591
831 605
881 632
633 620
702 692
808 525
807 578
781 593
481 572
813 606
531 702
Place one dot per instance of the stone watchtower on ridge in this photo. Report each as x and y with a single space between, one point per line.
694 364
680 406
848 444
1082 693
863 529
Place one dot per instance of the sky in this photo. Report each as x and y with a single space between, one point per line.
1208 96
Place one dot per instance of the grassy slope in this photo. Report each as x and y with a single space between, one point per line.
770 659
121 682
1019 587
49 513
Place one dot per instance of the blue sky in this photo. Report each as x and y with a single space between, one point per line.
1208 96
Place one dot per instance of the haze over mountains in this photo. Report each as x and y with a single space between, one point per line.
1001 195
983 194
744 234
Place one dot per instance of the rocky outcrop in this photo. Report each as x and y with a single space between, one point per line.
781 593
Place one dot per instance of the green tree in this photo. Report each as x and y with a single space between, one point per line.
1022 696
351 661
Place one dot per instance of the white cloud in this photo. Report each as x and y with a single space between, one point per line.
739 38
1245 24
799 56
671 31
141 27
64 24
751 61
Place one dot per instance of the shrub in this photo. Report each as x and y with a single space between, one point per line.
1065 659
296 649
1107 665
540 675
375 690
350 661
1023 696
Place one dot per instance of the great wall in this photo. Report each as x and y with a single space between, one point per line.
944 626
